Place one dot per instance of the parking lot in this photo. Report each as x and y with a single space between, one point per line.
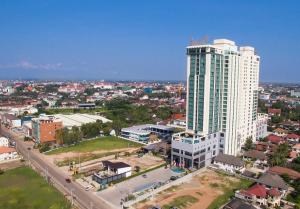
121 190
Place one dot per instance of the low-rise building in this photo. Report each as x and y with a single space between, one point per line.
273 181
191 150
260 195
229 163
274 112
112 171
292 138
142 132
274 139
295 93
4 142
280 132
11 120
258 157
44 128
7 153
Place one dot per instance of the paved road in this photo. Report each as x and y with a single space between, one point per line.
86 199
122 189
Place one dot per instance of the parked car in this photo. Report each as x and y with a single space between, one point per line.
68 180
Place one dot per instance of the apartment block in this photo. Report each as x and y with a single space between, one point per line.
222 94
44 128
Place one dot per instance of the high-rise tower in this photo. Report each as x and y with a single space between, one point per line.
222 83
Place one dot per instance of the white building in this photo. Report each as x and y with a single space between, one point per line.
7 153
191 150
264 96
3 142
262 126
295 93
222 91
229 163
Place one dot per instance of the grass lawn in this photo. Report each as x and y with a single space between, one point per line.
228 191
181 202
104 143
24 188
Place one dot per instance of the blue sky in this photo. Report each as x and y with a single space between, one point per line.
135 39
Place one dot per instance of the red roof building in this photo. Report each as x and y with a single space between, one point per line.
293 137
256 190
274 111
274 139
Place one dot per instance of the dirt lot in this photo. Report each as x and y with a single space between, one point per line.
203 189
145 162
65 156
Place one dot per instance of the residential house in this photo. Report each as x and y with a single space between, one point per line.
280 132
274 139
229 163
260 195
7 153
274 112
273 181
292 138
258 157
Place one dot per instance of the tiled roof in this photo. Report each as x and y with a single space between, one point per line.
255 154
229 159
280 130
274 111
274 139
272 180
257 190
274 192
292 136
282 170
6 150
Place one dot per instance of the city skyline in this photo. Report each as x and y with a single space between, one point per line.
139 41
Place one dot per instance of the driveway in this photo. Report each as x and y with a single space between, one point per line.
119 191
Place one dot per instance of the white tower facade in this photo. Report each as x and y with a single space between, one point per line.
222 84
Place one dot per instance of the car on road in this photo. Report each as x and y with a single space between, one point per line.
173 178
87 188
68 180
144 175
29 148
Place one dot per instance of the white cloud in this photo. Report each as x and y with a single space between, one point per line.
31 66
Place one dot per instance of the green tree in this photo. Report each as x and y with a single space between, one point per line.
280 155
248 144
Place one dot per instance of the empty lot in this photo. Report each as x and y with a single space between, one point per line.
206 190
